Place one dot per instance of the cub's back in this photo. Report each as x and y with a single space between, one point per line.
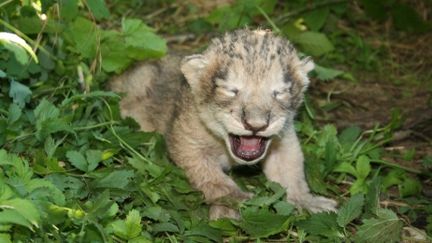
151 90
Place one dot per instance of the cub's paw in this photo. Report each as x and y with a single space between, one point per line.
220 211
316 204
241 195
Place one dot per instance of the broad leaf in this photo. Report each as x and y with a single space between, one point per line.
20 93
18 46
386 227
263 223
129 228
321 224
24 208
77 160
98 9
117 179
325 74
363 167
350 210
314 43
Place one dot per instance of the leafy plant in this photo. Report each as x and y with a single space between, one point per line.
71 170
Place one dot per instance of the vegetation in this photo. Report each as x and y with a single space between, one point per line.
71 170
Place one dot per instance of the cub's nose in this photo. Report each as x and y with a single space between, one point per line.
255 125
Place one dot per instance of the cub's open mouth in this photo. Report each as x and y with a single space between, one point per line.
248 147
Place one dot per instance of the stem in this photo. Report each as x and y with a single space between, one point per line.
21 137
96 125
311 7
26 38
273 25
123 143
5 3
390 164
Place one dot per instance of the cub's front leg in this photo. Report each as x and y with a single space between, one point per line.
203 166
285 166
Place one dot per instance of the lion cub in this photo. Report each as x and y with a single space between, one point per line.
232 104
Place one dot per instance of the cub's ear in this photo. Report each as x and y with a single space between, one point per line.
307 65
192 68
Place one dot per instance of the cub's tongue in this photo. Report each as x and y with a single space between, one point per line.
249 143
248 147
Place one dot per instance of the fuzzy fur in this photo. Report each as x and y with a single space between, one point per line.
244 79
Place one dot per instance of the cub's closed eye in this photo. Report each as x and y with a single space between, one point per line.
280 94
231 92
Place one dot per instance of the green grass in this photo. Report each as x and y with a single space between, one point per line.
71 170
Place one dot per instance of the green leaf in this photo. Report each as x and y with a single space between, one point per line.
427 161
20 93
18 46
84 35
140 239
284 208
5 238
115 57
50 126
8 216
350 210
386 227
363 167
376 10
14 113
407 19
346 167
24 208
263 223
203 229
93 159
48 190
70 186
313 43
223 224
321 224
326 74
141 41
394 177
316 19
50 146
69 9
117 179
129 228
330 153
372 196
165 227
48 121
46 4
77 160
46 110
98 9
348 136
410 187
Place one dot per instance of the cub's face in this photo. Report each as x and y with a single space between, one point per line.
247 87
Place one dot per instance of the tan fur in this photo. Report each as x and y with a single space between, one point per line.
243 81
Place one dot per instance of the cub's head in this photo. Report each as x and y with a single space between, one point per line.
247 86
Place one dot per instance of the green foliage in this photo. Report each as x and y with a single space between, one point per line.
386 227
403 15
350 210
129 228
71 170
262 223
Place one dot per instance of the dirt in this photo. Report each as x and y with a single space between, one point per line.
367 104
